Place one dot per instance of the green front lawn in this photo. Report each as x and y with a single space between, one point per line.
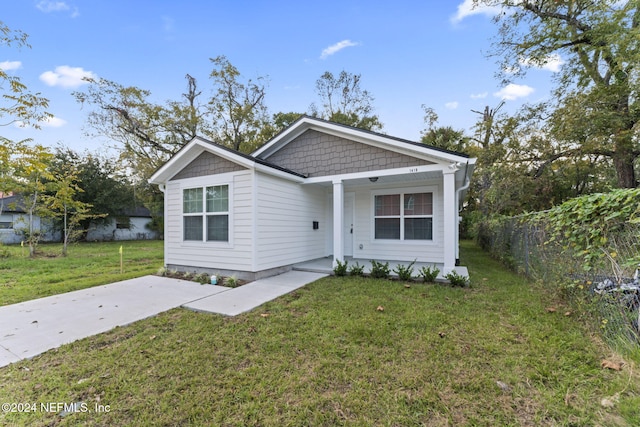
343 351
86 265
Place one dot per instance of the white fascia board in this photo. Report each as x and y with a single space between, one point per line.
276 172
190 152
384 142
358 135
287 135
409 170
187 153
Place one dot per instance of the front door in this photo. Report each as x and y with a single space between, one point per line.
349 222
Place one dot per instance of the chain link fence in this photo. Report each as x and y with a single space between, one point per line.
527 247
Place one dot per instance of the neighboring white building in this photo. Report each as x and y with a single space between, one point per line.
132 225
317 189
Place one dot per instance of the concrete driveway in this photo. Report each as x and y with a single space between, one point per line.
33 327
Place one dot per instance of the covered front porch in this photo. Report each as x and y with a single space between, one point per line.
356 223
325 265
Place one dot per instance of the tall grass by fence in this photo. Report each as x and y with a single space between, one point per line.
526 244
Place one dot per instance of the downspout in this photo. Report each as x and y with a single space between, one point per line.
465 186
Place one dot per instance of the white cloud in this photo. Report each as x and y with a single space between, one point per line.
451 105
513 91
67 77
551 63
336 48
47 6
10 65
467 8
53 122
479 95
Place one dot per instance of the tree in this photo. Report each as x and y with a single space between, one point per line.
63 204
597 86
444 137
344 101
32 183
238 110
149 133
17 104
100 187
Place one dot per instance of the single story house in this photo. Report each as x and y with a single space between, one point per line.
14 220
317 190
131 225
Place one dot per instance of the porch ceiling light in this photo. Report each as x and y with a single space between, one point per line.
373 179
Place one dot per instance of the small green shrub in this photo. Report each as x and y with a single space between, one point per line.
404 273
379 270
429 274
356 270
456 279
341 268
201 278
231 282
162 271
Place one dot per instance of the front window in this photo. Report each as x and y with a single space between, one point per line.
406 216
6 222
206 207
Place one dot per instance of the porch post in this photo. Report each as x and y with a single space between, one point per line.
450 222
338 222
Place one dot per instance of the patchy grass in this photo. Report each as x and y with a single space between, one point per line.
342 351
86 265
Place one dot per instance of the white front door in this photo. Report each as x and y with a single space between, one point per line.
348 223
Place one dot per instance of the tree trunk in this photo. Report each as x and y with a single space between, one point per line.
623 160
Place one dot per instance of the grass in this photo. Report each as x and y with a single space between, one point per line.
86 265
343 351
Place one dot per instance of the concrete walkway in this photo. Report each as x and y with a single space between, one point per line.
247 297
33 327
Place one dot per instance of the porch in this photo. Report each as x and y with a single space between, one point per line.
325 265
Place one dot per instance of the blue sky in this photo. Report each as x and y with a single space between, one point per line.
409 53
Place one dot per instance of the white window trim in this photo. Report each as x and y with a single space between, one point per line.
406 190
199 182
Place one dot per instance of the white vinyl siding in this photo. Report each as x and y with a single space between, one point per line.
285 216
234 254
390 249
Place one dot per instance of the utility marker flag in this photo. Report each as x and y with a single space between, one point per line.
121 266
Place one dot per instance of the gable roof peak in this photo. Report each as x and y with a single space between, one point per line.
306 122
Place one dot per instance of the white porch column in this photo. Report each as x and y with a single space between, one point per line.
338 222
450 217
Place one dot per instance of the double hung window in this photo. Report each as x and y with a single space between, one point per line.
205 213
404 216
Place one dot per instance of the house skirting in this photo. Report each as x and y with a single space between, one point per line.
248 276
